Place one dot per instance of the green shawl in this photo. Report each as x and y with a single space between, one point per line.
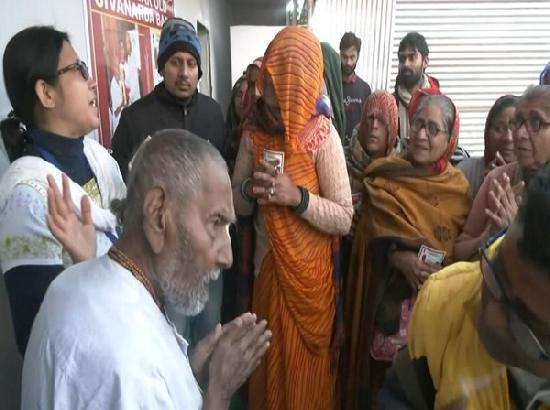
333 79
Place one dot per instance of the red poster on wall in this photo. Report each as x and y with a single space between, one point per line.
123 37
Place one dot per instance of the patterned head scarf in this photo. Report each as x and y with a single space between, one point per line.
440 165
295 63
381 103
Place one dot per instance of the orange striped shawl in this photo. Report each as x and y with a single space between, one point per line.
294 290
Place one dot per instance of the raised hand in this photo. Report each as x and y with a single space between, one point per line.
505 202
497 162
78 237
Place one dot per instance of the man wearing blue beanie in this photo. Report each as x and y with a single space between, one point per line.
175 102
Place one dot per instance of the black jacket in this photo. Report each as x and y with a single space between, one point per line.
159 110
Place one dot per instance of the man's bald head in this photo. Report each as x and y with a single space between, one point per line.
172 160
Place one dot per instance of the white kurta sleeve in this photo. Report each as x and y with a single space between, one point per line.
25 238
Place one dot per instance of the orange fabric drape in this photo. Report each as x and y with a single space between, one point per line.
400 207
294 290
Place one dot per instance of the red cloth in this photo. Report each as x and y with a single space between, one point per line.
434 82
383 104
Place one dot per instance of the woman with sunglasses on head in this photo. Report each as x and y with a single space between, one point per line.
496 203
54 105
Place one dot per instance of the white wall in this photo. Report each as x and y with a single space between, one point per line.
248 43
259 13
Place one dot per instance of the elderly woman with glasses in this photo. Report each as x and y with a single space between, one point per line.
54 105
479 337
411 203
496 202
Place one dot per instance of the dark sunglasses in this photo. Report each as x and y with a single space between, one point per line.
520 330
77 65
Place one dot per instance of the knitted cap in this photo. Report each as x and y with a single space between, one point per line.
178 35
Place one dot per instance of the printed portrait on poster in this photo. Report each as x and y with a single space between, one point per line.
123 38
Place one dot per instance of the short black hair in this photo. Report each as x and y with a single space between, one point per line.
534 218
414 41
348 40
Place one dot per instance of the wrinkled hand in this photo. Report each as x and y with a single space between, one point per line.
415 271
237 353
273 188
78 237
200 358
505 200
497 162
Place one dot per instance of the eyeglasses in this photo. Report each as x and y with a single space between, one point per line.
77 65
431 128
520 330
533 125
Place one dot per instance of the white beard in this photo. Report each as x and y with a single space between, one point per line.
189 302
183 286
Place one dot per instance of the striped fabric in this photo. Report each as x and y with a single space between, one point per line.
294 291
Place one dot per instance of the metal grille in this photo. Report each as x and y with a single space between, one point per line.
479 50
371 21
